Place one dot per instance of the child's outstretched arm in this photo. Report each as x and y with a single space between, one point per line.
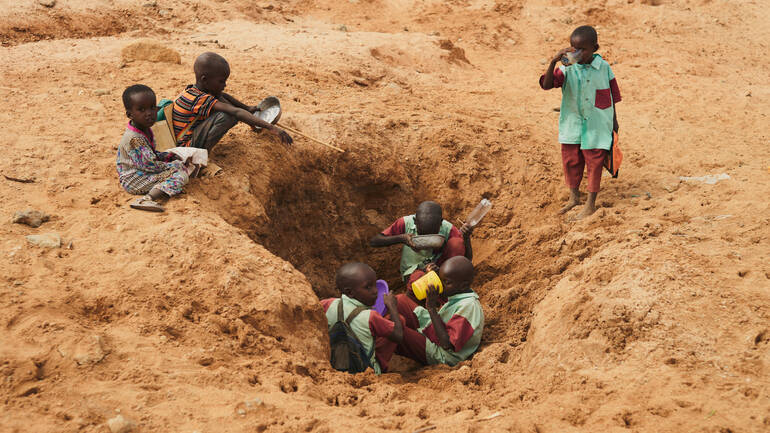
398 330
251 120
380 240
431 303
236 103
548 75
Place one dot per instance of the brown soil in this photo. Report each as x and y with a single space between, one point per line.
651 315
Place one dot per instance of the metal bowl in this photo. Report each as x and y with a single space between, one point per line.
269 110
425 242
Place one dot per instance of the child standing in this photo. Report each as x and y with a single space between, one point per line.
203 113
142 169
587 117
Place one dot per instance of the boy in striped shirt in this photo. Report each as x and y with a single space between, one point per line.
203 113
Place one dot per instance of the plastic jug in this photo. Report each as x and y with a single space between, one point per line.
478 213
420 287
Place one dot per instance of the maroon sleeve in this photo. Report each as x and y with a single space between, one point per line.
326 303
459 330
380 326
558 78
397 228
615 91
455 233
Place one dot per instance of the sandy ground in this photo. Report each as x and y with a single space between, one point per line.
650 316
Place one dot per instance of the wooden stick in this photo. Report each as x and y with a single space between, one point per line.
309 137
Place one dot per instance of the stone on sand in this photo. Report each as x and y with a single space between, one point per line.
48 240
119 424
150 51
32 218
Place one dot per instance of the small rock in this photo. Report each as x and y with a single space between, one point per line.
32 218
150 4
90 351
163 12
47 3
119 424
48 240
206 361
342 28
101 92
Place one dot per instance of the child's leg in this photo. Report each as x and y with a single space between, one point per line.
454 247
157 194
173 184
406 308
412 278
207 134
384 349
573 163
594 163
413 346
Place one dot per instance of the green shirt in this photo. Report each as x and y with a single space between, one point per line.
359 325
411 259
587 104
464 322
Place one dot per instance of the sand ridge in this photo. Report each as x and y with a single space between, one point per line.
651 315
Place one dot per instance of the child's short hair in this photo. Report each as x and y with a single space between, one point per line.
586 33
134 90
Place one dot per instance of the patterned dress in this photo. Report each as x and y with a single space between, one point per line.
141 167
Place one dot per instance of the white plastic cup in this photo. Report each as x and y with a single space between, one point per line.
571 57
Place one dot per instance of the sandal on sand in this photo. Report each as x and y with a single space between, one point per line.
147 203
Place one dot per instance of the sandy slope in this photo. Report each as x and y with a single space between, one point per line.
651 315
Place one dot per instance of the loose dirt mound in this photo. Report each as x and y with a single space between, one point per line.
649 316
150 51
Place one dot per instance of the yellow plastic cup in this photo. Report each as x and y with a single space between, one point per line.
420 287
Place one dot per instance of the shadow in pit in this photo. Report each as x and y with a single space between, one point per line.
318 220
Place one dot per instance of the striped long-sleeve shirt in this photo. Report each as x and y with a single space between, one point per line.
193 105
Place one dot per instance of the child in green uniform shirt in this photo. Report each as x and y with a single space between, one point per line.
587 117
451 333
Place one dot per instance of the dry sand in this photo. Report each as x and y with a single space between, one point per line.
651 315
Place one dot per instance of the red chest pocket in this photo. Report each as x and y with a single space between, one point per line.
603 99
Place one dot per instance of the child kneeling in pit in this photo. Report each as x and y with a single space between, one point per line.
377 335
142 169
449 334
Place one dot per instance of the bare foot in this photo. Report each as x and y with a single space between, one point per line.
587 211
570 204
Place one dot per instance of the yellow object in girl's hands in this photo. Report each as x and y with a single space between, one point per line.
420 287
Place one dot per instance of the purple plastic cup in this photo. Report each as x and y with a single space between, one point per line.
382 289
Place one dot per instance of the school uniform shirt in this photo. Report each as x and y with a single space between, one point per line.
411 259
193 105
587 111
368 325
464 321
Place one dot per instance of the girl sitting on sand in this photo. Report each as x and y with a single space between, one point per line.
142 169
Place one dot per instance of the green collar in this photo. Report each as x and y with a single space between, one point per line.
460 296
355 302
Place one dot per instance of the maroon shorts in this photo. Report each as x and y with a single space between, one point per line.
576 160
